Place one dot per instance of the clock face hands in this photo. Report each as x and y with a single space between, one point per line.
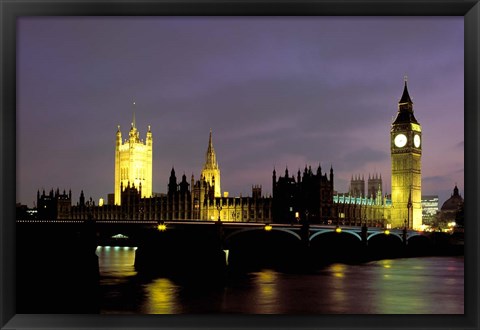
416 140
400 140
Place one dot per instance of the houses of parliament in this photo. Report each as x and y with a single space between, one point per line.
304 195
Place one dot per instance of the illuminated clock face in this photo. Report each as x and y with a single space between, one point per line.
400 140
416 140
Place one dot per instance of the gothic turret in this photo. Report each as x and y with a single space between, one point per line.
172 183
211 171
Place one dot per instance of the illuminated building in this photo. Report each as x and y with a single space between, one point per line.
211 171
355 208
133 162
310 196
197 200
306 196
351 210
406 152
429 208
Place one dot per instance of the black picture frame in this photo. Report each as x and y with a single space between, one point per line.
10 10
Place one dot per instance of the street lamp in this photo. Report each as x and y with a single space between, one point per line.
161 226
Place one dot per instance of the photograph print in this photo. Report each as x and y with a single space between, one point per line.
240 165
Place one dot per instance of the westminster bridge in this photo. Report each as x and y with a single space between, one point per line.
175 245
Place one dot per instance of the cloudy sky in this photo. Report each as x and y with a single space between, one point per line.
276 92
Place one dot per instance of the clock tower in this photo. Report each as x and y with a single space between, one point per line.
406 153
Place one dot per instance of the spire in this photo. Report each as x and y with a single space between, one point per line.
405 108
455 190
210 144
405 96
211 158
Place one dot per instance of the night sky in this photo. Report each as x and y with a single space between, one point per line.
276 92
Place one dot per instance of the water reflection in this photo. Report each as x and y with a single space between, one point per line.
432 285
266 298
161 297
116 264
338 295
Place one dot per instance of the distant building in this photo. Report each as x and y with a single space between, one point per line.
309 196
429 208
357 186
54 205
451 206
374 185
23 212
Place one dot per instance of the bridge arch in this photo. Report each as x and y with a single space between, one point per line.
251 248
414 234
324 231
383 233
234 233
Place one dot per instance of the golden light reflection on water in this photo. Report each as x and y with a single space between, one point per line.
338 270
338 295
398 286
161 297
386 263
266 299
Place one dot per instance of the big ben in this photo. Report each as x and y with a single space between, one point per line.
406 153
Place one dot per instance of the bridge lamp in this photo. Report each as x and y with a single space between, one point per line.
267 227
162 227
338 230
387 232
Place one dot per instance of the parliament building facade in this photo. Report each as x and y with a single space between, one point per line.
307 196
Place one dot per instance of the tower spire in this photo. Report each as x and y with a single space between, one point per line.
211 170
405 96
405 108
210 144
211 157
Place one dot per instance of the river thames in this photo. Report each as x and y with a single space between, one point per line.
426 285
